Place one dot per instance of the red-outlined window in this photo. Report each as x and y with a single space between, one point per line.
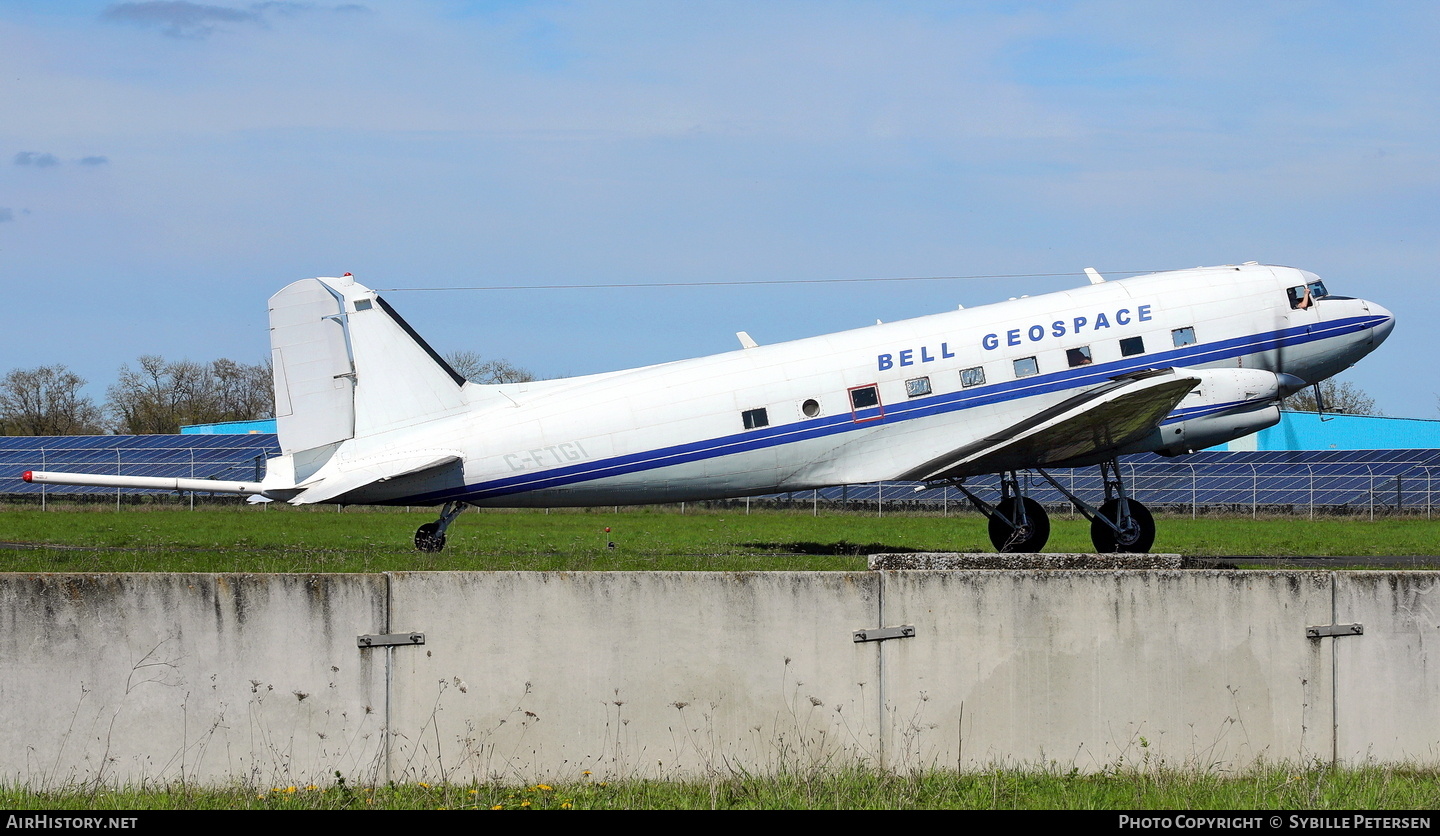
865 403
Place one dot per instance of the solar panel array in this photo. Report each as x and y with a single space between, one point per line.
1272 481
230 457
1292 481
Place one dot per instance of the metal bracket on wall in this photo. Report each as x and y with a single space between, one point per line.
1336 630
389 640
876 634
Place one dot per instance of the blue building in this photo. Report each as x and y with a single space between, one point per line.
265 426
1312 431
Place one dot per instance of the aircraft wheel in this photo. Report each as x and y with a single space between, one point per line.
1136 538
1030 537
428 538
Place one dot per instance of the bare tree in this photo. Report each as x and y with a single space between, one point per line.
476 369
160 396
246 392
1336 397
47 401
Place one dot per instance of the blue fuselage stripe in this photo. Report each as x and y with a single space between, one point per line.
1191 355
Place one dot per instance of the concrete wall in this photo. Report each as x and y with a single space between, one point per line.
527 676
138 677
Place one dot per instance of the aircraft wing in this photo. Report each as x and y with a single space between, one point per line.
377 480
1091 425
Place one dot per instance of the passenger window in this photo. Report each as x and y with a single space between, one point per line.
865 403
864 396
1078 356
755 418
1183 336
1130 346
915 387
972 377
1026 367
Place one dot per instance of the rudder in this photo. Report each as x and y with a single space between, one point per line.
348 366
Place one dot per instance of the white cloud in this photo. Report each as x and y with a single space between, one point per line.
179 18
183 19
36 159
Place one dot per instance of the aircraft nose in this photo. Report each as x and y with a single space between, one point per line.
1381 329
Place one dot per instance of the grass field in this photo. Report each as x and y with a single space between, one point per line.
235 538
1270 788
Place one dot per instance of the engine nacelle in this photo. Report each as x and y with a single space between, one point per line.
1228 404
1193 434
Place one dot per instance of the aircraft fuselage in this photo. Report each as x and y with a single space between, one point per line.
873 403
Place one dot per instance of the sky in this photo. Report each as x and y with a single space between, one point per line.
166 166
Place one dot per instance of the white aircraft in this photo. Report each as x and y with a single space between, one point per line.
1169 363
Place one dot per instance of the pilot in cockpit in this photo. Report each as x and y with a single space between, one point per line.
1303 297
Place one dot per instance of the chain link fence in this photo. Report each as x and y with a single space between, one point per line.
1305 483
1253 488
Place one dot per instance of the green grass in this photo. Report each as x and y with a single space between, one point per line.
231 538
234 538
1267 788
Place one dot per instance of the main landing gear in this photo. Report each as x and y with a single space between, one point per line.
1019 523
430 537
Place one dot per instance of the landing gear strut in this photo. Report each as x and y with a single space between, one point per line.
1017 523
1119 525
430 537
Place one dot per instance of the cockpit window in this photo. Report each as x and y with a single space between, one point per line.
1303 296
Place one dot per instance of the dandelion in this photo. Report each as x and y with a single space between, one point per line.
565 806
544 787
525 803
290 790
498 807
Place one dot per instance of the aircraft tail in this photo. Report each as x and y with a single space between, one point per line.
348 366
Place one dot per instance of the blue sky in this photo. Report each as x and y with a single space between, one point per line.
166 166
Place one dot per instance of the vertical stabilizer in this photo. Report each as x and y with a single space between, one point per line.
314 374
347 366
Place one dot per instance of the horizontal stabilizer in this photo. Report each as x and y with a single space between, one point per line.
1095 423
157 483
367 480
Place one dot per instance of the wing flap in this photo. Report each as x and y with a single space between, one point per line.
368 480
1094 423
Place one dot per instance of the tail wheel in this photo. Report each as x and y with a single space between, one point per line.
1136 536
1030 536
428 537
